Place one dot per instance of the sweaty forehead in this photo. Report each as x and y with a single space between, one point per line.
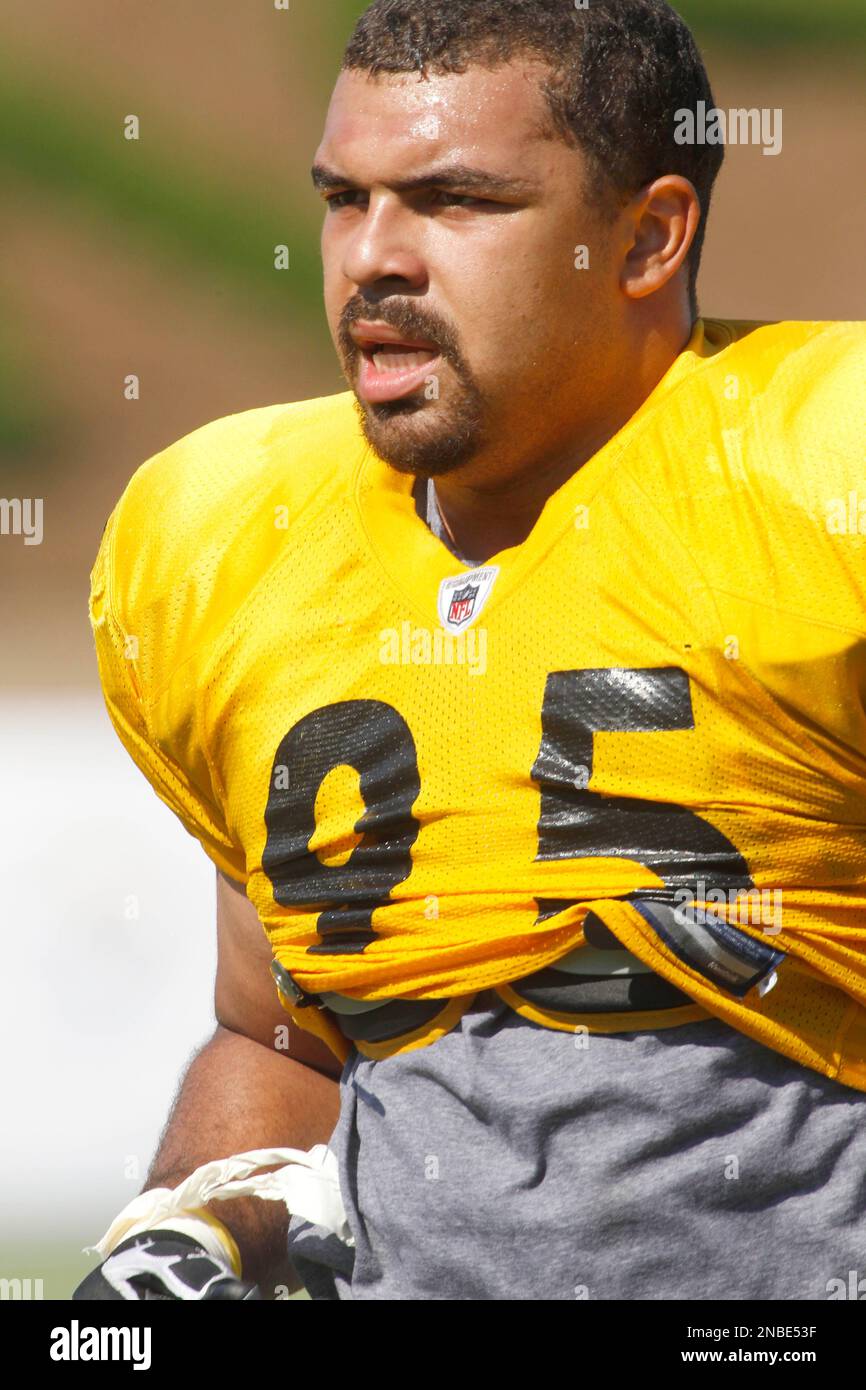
398 117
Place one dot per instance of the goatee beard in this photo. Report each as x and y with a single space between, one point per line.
417 435
426 447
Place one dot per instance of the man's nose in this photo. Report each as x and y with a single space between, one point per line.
384 247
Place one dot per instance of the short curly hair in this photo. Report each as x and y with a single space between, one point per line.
619 71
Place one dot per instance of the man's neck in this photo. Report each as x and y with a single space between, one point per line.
428 509
485 514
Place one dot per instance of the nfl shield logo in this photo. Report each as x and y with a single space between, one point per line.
462 604
462 598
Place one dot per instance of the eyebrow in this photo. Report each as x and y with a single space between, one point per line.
452 176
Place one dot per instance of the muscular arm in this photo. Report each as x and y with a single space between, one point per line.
240 1093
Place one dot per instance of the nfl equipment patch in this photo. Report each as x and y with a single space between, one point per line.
462 599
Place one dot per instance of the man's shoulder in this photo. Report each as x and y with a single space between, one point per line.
200 522
202 492
233 460
802 356
788 399
772 426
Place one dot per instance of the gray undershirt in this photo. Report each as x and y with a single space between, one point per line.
506 1162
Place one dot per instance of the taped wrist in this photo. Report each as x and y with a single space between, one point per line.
307 1183
198 1223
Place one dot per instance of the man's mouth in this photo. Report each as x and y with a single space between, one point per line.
390 371
390 357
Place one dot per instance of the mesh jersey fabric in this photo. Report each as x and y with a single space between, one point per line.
665 689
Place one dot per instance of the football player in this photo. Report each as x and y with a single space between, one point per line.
516 694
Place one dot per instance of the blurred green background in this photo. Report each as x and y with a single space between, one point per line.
230 99
155 258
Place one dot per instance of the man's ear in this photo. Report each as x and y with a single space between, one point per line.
661 223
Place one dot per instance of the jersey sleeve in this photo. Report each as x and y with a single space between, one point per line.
177 767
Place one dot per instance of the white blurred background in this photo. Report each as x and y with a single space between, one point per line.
107 974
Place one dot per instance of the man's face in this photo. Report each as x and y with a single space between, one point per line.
462 323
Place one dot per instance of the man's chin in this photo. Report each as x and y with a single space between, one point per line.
411 437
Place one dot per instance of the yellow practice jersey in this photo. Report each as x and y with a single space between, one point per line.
650 714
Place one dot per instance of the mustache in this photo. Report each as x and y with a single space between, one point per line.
403 318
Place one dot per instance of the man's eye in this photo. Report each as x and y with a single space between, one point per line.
440 197
457 199
342 200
